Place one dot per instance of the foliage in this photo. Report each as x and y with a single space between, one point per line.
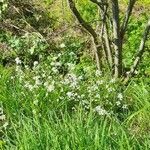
51 94
60 110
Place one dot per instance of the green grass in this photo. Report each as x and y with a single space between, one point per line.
63 103
54 126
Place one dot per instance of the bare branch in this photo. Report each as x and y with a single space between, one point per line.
80 19
126 18
98 53
139 54
100 4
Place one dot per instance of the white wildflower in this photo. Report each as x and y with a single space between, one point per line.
98 73
12 77
35 102
26 66
125 106
2 117
99 82
118 103
29 86
120 96
100 110
18 61
50 88
110 89
5 125
97 96
62 45
46 84
38 82
112 81
52 63
57 64
54 70
35 63
69 94
59 54
54 58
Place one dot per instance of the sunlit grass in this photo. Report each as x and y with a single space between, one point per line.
59 127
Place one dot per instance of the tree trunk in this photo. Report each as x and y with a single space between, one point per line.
117 40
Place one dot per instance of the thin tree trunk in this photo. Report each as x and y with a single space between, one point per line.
126 18
117 42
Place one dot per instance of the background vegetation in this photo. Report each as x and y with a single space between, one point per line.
51 94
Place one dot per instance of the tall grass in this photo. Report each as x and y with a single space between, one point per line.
60 128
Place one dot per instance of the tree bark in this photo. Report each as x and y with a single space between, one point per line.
126 18
117 41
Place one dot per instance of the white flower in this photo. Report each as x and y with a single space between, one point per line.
100 110
112 81
12 77
110 90
52 63
62 45
54 58
71 53
82 95
35 63
57 64
98 73
100 82
35 102
38 82
5 125
50 88
120 96
18 61
118 103
69 94
124 106
46 84
29 86
97 96
2 117
59 54
54 70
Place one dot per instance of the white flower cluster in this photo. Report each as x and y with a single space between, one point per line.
18 61
49 87
3 118
100 110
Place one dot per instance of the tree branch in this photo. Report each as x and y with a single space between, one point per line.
100 4
98 53
126 18
80 19
139 54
